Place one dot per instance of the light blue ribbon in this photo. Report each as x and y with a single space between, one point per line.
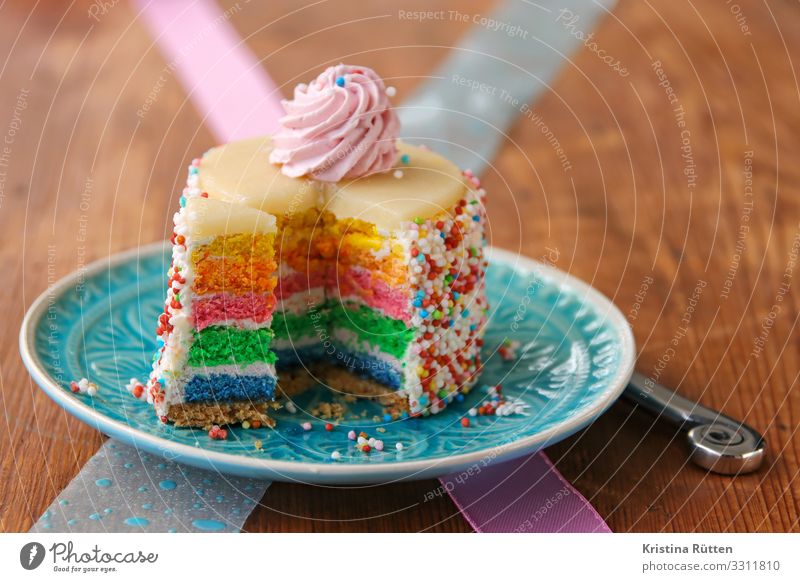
506 61
121 489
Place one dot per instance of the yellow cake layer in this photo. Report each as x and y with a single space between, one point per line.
208 218
237 263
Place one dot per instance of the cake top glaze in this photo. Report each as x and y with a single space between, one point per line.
239 173
208 218
340 125
420 184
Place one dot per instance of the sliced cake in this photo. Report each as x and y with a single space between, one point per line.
299 259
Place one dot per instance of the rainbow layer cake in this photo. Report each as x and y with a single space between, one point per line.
329 253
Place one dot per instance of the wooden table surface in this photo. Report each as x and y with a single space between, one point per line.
680 203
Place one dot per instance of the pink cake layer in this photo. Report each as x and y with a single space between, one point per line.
296 282
210 309
375 292
355 281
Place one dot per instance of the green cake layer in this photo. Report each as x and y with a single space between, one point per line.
219 345
295 326
390 335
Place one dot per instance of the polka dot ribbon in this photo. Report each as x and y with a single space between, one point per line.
462 111
122 489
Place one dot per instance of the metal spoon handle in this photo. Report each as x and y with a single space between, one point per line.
716 442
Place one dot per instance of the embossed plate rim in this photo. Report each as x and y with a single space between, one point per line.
330 473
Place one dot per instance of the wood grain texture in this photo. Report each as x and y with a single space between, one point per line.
85 176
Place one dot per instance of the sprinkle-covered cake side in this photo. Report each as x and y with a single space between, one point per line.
449 304
214 364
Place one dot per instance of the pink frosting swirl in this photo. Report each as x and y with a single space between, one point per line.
339 126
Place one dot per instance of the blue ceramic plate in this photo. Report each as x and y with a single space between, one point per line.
577 356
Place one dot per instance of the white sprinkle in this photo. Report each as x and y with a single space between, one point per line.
306 426
398 174
86 387
361 440
336 455
351 435
472 412
379 445
399 446
291 408
391 91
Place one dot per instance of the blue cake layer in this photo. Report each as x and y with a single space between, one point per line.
368 366
229 388
291 357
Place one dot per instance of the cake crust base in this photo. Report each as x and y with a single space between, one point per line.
292 382
206 415
337 379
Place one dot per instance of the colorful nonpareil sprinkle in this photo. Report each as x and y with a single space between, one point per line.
218 433
508 350
497 404
83 386
365 443
137 389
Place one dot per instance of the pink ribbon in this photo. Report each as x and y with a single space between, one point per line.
238 99
524 495
226 82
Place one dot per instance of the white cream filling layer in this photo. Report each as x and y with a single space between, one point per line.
254 369
350 340
299 303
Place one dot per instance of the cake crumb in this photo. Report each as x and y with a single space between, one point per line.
329 411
